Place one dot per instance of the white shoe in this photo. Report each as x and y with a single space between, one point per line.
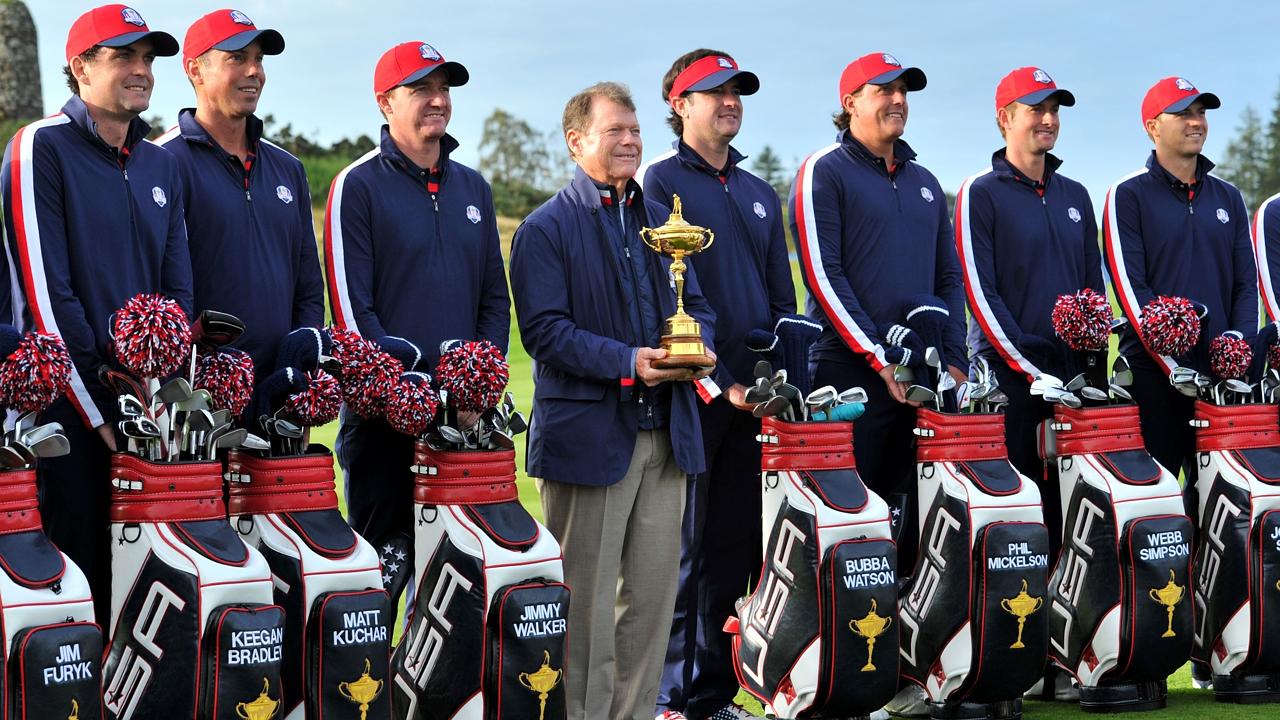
880 714
910 702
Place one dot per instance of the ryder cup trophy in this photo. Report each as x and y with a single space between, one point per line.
681 334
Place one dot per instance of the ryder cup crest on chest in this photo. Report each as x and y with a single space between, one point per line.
1073 214
1223 216
927 194
758 208
285 194
473 214
157 194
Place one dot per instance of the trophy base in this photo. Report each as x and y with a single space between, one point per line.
684 361
683 343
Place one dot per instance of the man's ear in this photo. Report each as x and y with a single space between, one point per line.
77 66
573 139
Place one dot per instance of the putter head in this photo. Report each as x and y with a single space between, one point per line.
763 369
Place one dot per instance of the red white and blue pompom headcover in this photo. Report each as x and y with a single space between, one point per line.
412 404
35 373
151 334
228 376
1230 356
1170 325
367 373
318 403
1083 320
473 373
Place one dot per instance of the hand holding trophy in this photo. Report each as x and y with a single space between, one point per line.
681 334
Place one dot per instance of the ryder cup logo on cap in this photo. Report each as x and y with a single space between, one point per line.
428 53
1223 217
927 194
240 18
725 62
890 60
1041 76
473 214
158 195
1074 214
132 17
285 194
1184 85
759 210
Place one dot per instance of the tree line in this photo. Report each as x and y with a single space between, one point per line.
1252 158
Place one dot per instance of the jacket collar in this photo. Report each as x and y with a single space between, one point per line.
192 131
390 151
587 191
689 157
902 152
1203 166
1001 166
78 112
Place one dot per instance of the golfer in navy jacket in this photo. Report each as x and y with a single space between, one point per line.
253 250
1172 228
612 438
1266 253
873 232
411 245
93 216
746 278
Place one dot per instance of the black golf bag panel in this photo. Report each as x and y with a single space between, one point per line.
327 578
486 635
817 635
52 647
1117 614
193 624
1237 561
971 621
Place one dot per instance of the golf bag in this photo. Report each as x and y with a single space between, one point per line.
195 635
1237 561
972 630
1117 617
337 641
486 636
52 647
817 638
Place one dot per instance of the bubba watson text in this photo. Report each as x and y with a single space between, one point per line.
868 572
250 647
1165 545
68 667
360 627
540 620
1020 557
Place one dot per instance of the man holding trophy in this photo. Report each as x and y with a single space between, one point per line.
615 428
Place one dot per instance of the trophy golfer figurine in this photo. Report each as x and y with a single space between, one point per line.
681 334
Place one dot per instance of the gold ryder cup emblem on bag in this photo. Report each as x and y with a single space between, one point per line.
362 690
1021 606
1169 596
262 707
870 627
681 334
75 710
542 681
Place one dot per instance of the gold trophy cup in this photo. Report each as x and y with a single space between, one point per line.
361 691
870 627
681 334
542 681
75 710
262 707
1169 596
1021 606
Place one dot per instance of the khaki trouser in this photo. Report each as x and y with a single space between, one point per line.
621 548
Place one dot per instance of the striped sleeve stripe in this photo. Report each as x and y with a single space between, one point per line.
645 167
811 259
168 136
26 226
343 314
982 311
1120 276
707 389
1265 286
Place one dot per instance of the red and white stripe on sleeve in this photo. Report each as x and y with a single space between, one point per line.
340 298
1265 286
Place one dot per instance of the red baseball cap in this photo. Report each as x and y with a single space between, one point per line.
228 30
1030 86
879 68
711 72
115 26
410 62
1174 94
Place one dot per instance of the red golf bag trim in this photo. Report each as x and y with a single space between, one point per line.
1086 431
150 492
280 485
806 446
960 437
19 502
1236 427
463 478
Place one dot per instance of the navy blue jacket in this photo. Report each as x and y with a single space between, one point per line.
869 241
89 226
403 260
745 274
1164 238
1266 253
253 250
1021 244
575 322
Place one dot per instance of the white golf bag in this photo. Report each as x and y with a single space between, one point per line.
1119 618
52 647
486 636
337 633
1237 561
817 637
971 622
194 632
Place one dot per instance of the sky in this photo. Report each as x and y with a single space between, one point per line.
530 57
